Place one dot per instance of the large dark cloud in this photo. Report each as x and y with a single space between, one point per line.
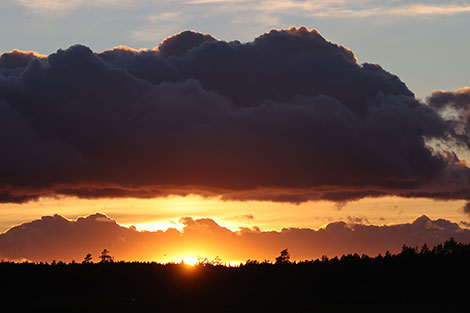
287 117
54 237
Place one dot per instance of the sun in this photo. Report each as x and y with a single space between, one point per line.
189 260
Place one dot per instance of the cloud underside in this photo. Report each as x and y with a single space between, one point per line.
56 238
287 117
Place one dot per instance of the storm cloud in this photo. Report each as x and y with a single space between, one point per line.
289 116
54 237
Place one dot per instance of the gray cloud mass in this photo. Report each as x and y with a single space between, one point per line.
289 116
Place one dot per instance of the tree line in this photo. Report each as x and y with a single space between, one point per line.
418 279
448 248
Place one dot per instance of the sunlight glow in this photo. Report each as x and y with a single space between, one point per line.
18 51
126 48
165 213
189 260
157 225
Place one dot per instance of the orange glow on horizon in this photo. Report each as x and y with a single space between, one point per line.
208 230
192 261
164 213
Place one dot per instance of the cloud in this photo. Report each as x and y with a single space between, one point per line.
342 9
289 116
159 25
427 10
246 217
455 107
358 220
403 10
54 237
18 59
465 224
61 5
323 8
466 208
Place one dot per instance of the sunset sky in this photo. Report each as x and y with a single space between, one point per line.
231 119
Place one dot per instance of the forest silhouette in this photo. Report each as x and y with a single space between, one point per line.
417 279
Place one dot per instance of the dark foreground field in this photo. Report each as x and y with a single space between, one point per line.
415 280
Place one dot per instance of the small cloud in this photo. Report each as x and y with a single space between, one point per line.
246 217
465 224
163 17
340 205
61 5
157 26
466 208
358 220
345 9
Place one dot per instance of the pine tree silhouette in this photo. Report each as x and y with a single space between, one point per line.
105 257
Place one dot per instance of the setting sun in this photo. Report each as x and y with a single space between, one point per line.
189 260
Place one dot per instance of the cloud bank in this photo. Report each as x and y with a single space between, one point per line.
54 237
289 116
322 8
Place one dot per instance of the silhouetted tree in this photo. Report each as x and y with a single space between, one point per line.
450 246
252 262
105 257
202 260
217 261
424 249
87 259
284 258
407 251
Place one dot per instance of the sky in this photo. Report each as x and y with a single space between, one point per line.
354 111
420 41
56 238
